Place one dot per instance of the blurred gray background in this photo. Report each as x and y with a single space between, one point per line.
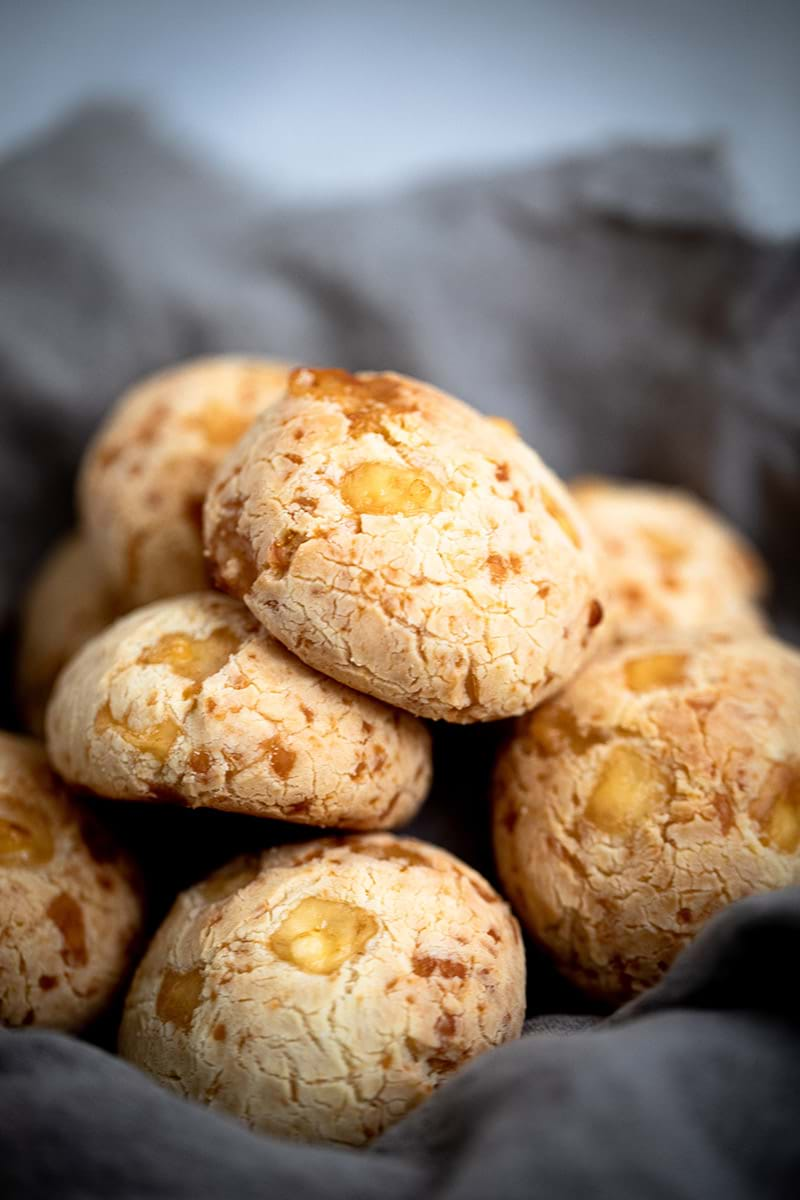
317 99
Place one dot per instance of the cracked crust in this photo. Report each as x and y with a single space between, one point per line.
67 604
397 540
320 991
146 471
668 561
70 902
190 700
662 784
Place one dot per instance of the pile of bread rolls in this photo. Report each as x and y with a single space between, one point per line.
278 574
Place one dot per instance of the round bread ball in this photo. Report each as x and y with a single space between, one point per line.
321 991
145 474
68 603
190 700
397 540
668 561
662 784
70 901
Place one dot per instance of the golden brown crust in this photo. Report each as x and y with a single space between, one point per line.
398 541
320 991
668 561
146 471
68 603
663 783
191 700
70 901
